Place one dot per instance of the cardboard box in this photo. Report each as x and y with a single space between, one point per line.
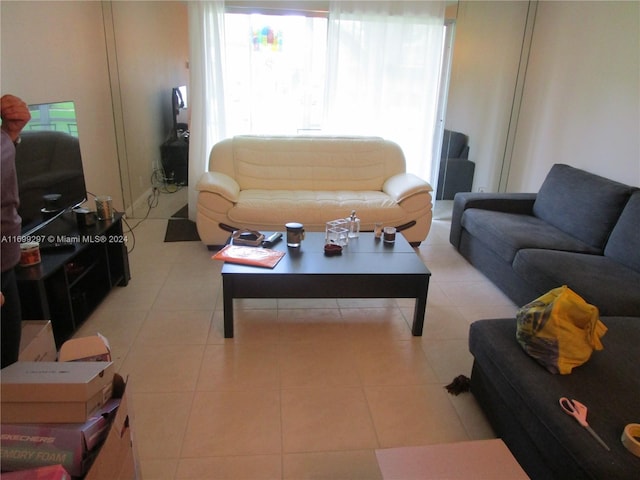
54 392
117 459
72 445
37 343
94 348
52 472
490 459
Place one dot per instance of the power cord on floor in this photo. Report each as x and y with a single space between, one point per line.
133 236
160 184
152 202
164 184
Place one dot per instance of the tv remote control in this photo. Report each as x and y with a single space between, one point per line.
271 239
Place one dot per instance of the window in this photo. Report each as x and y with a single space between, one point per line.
274 73
363 68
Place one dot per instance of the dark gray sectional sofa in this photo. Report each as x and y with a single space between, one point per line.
520 400
579 230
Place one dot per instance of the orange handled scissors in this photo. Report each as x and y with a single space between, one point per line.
579 412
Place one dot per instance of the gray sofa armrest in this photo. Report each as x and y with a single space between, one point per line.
500 202
455 175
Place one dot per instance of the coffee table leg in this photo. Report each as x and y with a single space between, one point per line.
419 311
227 301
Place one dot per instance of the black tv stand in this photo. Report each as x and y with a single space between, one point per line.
174 154
70 282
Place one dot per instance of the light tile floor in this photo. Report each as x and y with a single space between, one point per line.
307 388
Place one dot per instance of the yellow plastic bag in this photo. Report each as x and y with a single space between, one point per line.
560 330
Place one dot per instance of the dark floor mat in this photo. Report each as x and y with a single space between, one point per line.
182 213
181 230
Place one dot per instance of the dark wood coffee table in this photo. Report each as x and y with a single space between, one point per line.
367 268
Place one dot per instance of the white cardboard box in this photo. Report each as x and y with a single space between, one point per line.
54 392
36 342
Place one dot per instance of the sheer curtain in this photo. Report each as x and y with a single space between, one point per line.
274 73
383 74
206 51
382 78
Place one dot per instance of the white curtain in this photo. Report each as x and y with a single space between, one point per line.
383 61
206 51
382 77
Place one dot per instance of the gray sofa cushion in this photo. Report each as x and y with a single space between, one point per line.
506 233
608 384
500 202
601 281
581 204
624 243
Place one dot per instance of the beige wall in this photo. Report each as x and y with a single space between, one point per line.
581 97
486 54
580 105
151 47
53 51
581 101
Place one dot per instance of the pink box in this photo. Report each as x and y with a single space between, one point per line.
52 472
453 461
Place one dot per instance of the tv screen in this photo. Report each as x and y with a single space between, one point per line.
49 165
179 104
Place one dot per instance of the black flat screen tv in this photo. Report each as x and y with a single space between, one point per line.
49 165
178 105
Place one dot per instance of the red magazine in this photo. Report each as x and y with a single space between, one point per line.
254 256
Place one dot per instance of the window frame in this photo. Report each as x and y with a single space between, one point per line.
312 8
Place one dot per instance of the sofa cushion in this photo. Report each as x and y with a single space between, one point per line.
608 384
506 233
315 207
624 244
314 163
601 281
581 204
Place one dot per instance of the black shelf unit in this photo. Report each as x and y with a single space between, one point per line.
174 154
69 283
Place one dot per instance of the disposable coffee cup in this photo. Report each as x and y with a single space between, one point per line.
295 234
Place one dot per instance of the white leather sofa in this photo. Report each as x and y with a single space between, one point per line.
261 183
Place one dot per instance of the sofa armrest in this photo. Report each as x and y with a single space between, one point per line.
405 185
220 183
455 175
500 202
